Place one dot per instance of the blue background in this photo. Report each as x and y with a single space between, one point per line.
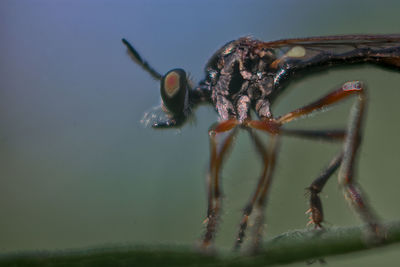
77 169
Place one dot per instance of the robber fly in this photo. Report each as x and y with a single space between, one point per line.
248 75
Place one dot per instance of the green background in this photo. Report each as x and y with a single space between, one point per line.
77 169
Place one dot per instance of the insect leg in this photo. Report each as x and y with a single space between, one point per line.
352 190
346 90
249 207
316 212
272 152
213 183
325 135
352 142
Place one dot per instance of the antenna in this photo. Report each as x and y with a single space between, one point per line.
139 60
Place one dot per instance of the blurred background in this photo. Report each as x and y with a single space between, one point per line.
78 169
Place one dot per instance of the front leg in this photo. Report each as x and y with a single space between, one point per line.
213 178
168 123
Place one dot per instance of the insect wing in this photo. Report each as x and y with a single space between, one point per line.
318 51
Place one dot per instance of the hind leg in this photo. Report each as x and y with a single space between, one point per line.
352 140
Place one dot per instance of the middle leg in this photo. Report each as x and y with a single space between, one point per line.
316 211
258 199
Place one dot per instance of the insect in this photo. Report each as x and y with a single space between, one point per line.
247 75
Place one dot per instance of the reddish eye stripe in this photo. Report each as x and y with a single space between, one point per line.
171 84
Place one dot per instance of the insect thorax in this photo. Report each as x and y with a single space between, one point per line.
239 78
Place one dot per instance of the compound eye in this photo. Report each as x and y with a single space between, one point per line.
173 91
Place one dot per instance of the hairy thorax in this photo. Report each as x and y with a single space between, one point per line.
240 80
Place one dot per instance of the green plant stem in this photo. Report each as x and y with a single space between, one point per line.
292 246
